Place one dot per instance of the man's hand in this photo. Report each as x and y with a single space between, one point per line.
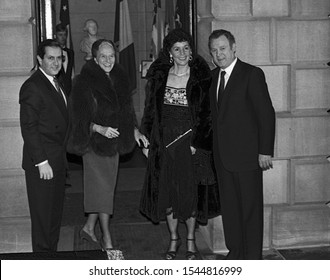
45 171
193 150
265 162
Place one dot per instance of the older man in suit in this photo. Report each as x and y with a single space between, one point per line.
243 140
44 124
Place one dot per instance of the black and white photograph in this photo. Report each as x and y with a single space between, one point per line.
148 131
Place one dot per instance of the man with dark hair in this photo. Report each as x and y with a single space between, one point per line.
243 121
66 74
44 125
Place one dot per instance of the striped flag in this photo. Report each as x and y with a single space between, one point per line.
65 20
169 15
158 30
123 39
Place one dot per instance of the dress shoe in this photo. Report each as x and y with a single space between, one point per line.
112 253
192 255
84 235
170 254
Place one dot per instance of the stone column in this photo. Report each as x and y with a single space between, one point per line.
17 58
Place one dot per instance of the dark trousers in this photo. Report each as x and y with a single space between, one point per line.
46 199
241 197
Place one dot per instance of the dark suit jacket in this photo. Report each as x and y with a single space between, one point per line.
244 126
66 77
44 123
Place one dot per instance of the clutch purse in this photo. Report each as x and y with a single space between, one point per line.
177 141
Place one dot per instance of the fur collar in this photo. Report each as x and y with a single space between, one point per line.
98 79
199 69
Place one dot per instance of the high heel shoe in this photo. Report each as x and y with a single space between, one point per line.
112 253
171 255
84 235
192 255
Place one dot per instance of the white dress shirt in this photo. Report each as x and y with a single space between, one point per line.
228 70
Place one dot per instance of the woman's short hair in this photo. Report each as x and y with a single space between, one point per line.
96 46
175 36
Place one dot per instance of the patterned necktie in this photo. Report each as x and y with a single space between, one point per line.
221 88
58 89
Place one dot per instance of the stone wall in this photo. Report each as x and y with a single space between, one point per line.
290 41
16 56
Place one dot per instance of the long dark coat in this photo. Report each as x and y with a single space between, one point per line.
198 103
97 99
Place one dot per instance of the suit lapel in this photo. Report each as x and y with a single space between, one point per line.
54 95
232 82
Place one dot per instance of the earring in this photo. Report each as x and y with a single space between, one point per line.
171 59
190 57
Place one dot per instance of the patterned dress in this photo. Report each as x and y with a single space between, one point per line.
178 192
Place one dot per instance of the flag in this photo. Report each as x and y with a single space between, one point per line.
158 30
65 20
182 15
169 15
123 38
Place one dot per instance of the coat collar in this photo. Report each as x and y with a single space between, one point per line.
98 80
158 71
54 95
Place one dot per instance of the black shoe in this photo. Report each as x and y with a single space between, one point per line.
171 255
192 255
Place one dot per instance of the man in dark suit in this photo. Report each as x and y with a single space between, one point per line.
44 124
243 133
66 74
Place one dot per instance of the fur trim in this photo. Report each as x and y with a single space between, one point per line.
197 94
97 99
198 101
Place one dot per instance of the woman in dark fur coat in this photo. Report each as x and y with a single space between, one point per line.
177 104
103 127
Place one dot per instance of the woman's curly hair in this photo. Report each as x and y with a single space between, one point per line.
174 36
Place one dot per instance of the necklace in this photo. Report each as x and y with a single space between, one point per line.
181 74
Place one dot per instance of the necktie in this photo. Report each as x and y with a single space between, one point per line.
221 87
58 89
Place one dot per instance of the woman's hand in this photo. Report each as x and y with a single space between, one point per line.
145 152
193 150
106 131
139 136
